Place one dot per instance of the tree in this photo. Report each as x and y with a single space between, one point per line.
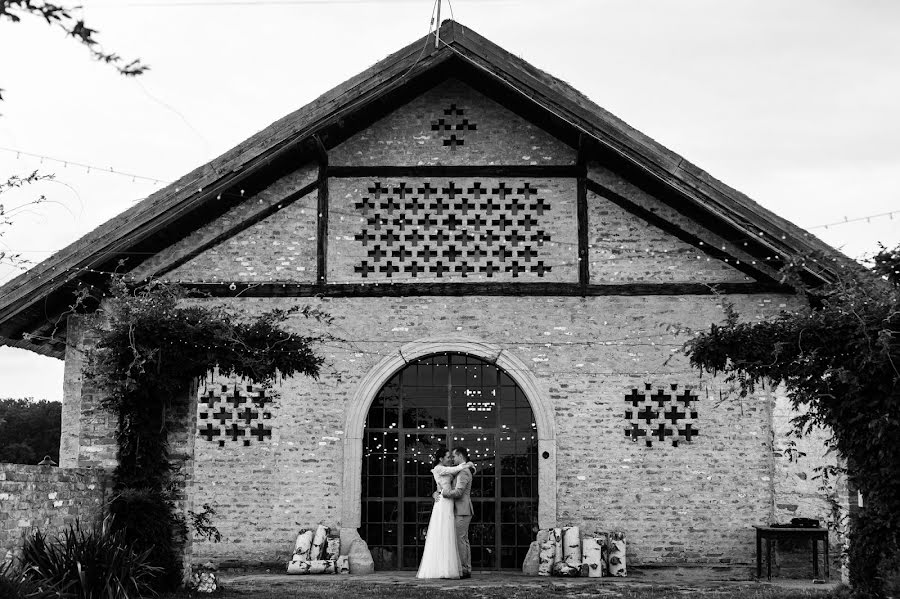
66 19
840 359
29 430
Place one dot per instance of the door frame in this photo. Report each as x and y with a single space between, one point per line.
381 373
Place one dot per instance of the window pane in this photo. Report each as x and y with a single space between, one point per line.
488 415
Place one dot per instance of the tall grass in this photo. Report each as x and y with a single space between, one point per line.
87 564
14 585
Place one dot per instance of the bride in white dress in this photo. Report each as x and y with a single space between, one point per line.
440 558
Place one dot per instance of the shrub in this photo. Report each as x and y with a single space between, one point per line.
147 518
14 585
95 564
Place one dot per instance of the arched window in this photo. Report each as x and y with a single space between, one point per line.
450 400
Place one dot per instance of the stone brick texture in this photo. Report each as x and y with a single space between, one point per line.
281 247
47 498
623 248
428 131
87 438
801 488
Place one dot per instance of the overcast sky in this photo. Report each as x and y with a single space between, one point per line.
795 103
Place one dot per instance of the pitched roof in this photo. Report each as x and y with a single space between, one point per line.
32 301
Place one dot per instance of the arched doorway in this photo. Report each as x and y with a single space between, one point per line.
449 399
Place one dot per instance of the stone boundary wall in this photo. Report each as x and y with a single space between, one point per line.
47 498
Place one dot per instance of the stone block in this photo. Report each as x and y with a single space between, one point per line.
360 558
532 560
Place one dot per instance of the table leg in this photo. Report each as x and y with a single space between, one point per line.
815 552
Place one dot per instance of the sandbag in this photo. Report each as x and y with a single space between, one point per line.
594 557
343 564
303 544
319 566
332 547
556 536
545 558
318 545
565 570
617 554
572 547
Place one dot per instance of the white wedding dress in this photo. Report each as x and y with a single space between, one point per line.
440 558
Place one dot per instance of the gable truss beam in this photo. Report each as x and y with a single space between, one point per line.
676 231
581 216
322 215
523 171
387 289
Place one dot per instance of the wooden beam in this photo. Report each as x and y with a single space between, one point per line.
673 229
584 273
524 170
322 216
275 289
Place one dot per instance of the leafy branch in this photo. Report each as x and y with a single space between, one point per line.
837 358
67 19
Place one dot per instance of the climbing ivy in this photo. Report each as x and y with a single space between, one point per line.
839 359
153 342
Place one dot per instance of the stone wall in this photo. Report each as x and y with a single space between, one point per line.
694 503
87 437
47 498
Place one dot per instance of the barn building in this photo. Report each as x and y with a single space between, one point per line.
509 268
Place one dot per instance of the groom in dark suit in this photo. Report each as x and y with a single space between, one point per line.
462 507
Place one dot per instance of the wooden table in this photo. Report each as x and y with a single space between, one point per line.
773 533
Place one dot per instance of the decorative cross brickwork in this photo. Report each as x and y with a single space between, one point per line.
452 124
233 413
661 415
410 229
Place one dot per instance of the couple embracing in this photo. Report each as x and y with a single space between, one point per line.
447 553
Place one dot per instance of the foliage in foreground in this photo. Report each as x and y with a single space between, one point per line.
81 564
151 346
840 360
14 585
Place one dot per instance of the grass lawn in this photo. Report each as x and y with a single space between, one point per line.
547 591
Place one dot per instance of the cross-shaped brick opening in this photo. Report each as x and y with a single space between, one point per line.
378 190
454 110
515 239
454 142
540 268
648 415
209 432
261 432
489 268
635 398
365 205
364 269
